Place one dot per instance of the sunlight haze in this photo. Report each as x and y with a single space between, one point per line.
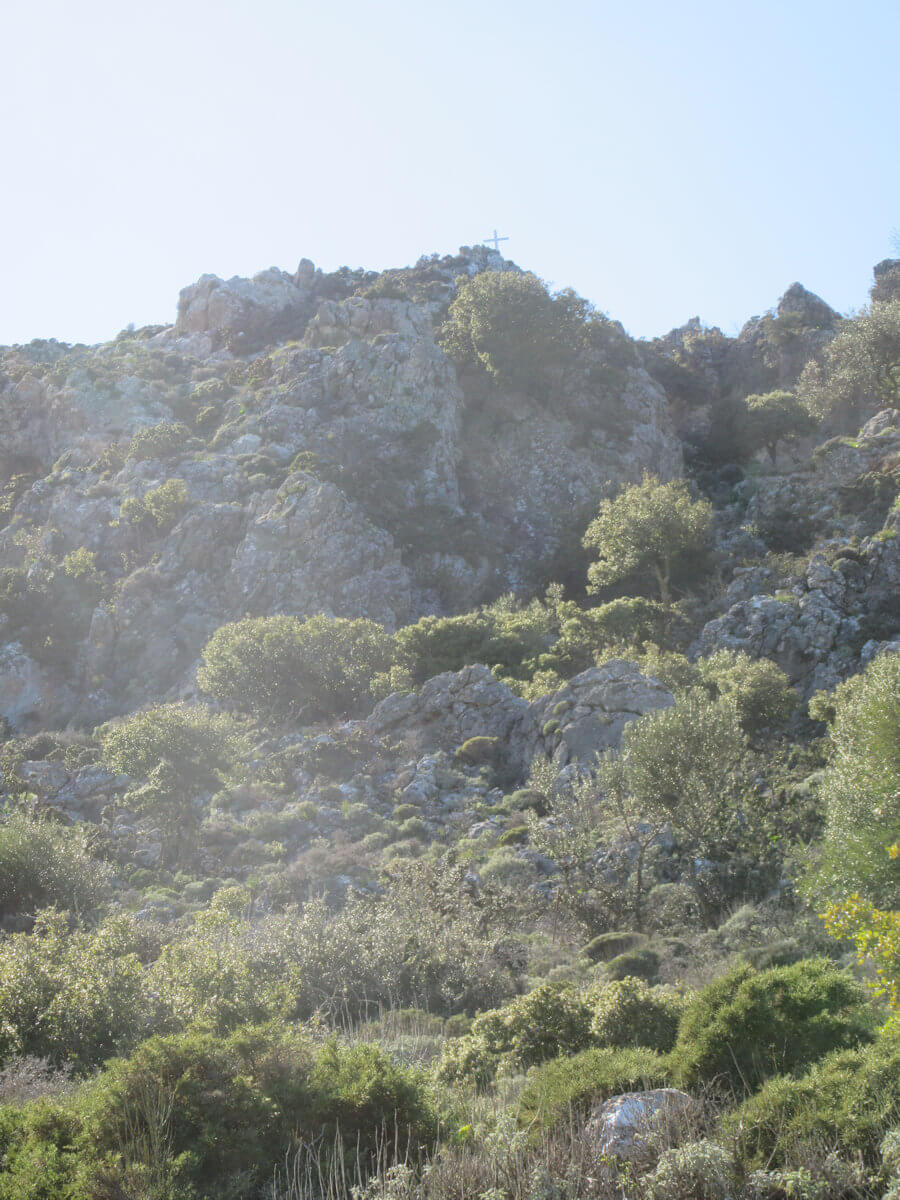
663 160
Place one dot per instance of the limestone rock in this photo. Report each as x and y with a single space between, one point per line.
22 700
586 716
628 1126
250 311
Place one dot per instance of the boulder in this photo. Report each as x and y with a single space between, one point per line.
631 1126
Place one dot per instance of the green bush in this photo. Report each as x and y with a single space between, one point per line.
649 528
159 507
555 1088
203 746
72 996
506 635
772 417
747 1026
642 963
760 690
609 945
480 751
541 1024
629 1013
218 1116
284 668
845 1102
694 1171
43 864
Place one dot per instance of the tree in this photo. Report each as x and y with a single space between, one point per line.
283 668
679 767
649 527
860 366
508 324
860 786
173 752
772 417
569 832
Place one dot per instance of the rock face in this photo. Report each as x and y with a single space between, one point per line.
246 313
817 623
627 1126
333 463
581 720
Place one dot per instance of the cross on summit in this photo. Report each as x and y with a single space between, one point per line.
496 240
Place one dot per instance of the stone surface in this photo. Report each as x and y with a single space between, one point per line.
630 1126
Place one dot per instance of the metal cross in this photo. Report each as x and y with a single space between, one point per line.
496 240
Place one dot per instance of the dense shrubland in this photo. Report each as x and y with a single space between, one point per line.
288 949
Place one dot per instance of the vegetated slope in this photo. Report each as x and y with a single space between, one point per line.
420 639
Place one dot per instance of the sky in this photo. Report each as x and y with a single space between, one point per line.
665 160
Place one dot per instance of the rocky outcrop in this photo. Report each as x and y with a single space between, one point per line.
573 724
248 313
588 715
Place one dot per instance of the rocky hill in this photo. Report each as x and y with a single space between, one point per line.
429 718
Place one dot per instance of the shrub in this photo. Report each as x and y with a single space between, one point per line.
642 963
544 1022
609 945
159 441
506 635
43 864
747 1026
858 373
629 1013
202 746
71 997
480 751
555 1088
226 970
846 1102
759 689
696 1171
159 507
772 417
285 668
507 323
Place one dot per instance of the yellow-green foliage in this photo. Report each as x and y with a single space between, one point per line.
42 863
159 441
860 368
556 1088
159 507
759 689
508 324
204 747
877 936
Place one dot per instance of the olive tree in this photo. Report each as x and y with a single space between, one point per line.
771 418
508 324
649 527
680 767
860 786
860 368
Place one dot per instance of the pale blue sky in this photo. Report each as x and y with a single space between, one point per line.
665 159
